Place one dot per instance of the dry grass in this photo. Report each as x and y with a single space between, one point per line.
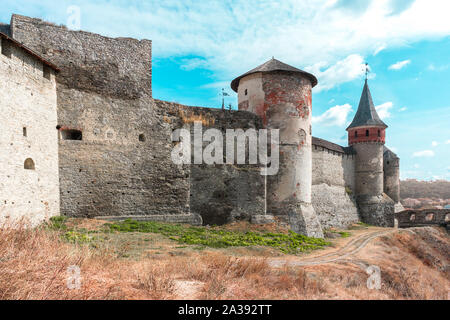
33 265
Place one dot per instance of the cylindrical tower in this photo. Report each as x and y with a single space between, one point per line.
391 175
392 178
282 96
367 135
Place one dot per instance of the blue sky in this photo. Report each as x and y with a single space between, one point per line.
200 46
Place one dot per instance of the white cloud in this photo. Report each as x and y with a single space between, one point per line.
383 110
403 109
447 142
424 154
234 37
342 71
399 65
335 116
434 144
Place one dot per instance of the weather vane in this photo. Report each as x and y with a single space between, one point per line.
224 94
367 71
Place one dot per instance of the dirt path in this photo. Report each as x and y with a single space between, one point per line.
340 255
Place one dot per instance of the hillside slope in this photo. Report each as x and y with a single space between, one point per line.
413 264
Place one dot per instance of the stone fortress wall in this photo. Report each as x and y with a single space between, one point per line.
334 184
29 183
115 141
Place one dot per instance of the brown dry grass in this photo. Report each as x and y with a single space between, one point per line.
33 265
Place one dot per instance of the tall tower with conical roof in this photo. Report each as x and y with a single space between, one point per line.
367 135
281 96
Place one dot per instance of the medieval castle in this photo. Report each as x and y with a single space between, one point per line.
82 136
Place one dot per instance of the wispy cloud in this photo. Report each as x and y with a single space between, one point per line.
424 154
399 65
379 49
403 109
194 63
432 67
335 116
434 144
383 110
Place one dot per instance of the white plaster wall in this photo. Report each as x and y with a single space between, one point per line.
27 99
255 94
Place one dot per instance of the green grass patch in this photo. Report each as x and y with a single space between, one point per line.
218 238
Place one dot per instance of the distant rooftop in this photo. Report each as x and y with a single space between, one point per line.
367 114
332 146
270 66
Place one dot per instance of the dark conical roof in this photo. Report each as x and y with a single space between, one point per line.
367 114
389 154
270 66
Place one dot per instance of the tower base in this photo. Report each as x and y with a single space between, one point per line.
302 219
377 211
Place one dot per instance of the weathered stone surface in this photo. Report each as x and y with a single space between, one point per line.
120 67
334 206
28 189
377 211
332 189
224 194
420 218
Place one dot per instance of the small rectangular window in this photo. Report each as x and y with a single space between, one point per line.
6 48
24 131
69 134
47 73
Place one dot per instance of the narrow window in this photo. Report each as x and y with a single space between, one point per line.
142 138
47 73
367 133
379 133
25 132
246 92
356 134
6 48
429 217
413 217
70 134
29 164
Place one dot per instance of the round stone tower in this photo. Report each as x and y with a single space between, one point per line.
281 96
392 177
367 136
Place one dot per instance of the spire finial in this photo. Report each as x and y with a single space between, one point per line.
367 71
